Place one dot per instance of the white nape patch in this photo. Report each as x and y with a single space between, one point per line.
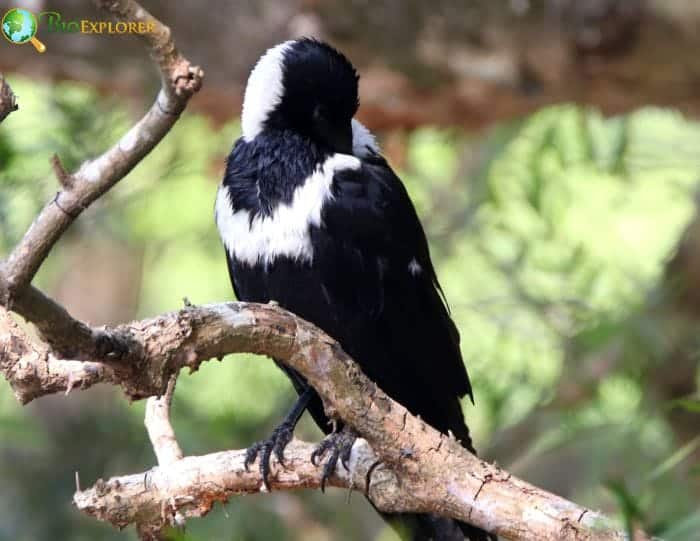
264 90
286 231
363 141
414 267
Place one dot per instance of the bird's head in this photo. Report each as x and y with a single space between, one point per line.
306 86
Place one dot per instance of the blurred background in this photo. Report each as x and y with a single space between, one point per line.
552 148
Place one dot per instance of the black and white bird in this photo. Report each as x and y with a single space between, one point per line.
312 217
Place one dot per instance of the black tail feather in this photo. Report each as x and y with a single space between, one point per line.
415 527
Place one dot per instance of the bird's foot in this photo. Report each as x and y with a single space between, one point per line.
264 449
339 446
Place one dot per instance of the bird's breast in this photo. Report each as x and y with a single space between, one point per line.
252 237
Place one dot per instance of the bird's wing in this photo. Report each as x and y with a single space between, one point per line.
371 214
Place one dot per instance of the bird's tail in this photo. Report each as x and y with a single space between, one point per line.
416 527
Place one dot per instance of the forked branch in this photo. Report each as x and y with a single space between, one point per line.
433 473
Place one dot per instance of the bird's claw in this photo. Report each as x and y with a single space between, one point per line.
274 445
339 445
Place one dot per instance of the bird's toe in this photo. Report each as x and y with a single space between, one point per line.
338 446
265 449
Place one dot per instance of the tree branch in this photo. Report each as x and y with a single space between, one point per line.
35 371
191 486
68 337
8 103
160 431
180 80
438 475
168 452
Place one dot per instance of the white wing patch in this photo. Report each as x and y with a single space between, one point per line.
264 90
414 267
363 141
286 231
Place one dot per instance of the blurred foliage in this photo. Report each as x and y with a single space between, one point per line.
550 234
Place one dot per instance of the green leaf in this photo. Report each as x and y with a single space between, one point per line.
690 404
676 458
630 509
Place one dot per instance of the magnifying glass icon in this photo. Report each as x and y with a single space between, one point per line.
19 26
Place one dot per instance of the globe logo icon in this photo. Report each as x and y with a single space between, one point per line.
19 26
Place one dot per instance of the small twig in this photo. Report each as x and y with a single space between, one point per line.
159 427
165 446
65 179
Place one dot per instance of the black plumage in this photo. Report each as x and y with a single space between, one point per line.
314 218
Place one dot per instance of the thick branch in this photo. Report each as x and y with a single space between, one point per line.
34 371
8 103
67 336
443 478
190 487
95 177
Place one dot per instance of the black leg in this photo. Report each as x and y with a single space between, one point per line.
278 440
339 445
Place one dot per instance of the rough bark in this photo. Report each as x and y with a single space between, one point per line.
432 471
8 102
160 431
